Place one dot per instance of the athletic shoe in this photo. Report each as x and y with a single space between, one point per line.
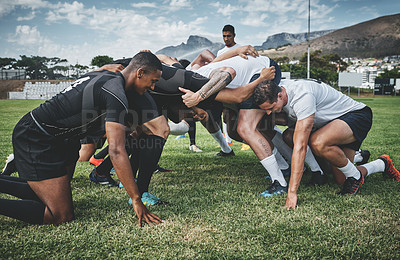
179 137
351 185
10 165
222 154
160 169
390 171
365 155
103 180
245 147
195 148
95 162
317 178
149 199
274 189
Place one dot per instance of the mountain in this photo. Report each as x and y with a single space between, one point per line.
282 39
190 49
375 38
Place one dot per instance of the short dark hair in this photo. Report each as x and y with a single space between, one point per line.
184 62
229 28
266 91
147 61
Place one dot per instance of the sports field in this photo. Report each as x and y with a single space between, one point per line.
214 210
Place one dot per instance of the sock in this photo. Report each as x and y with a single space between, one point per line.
105 167
150 147
218 136
192 132
29 211
312 162
17 187
102 154
178 129
282 147
374 166
283 165
227 138
357 157
350 170
272 167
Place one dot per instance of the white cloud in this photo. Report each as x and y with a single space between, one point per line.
144 4
26 18
7 6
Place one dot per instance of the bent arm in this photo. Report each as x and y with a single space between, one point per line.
242 93
301 135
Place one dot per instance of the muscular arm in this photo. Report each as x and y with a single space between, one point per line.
300 140
244 92
116 140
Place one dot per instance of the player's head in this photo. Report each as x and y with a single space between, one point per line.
228 34
146 69
268 96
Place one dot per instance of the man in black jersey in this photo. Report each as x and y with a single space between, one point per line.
46 142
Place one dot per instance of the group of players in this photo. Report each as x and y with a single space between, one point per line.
130 101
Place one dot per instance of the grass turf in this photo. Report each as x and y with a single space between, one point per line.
214 209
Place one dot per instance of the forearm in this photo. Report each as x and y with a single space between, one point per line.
218 80
297 166
238 95
124 172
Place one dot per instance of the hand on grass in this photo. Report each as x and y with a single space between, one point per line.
142 213
291 200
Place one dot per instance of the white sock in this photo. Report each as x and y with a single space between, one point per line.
218 136
271 165
312 162
350 170
178 129
227 138
283 165
357 157
374 166
282 147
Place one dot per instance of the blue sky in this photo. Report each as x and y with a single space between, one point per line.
80 30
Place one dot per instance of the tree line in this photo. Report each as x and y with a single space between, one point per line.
38 67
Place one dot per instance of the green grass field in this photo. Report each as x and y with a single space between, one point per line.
214 209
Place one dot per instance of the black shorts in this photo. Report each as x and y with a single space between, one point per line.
360 122
142 108
39 156
249 103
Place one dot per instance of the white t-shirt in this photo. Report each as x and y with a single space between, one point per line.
306 97
245 69
226 48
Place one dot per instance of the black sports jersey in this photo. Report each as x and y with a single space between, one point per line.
82 108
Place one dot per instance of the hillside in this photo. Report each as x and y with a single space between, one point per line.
375 38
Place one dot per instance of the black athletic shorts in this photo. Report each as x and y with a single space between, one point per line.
249 103
360 122
142 108
39 156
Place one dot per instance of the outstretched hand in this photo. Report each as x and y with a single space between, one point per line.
142 213
190 99
243 51
268 73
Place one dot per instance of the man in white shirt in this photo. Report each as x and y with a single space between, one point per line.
333 124
228 34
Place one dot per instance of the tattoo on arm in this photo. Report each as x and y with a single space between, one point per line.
218 80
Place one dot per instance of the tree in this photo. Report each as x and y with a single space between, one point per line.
101 60
6 63
390 74
38 67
